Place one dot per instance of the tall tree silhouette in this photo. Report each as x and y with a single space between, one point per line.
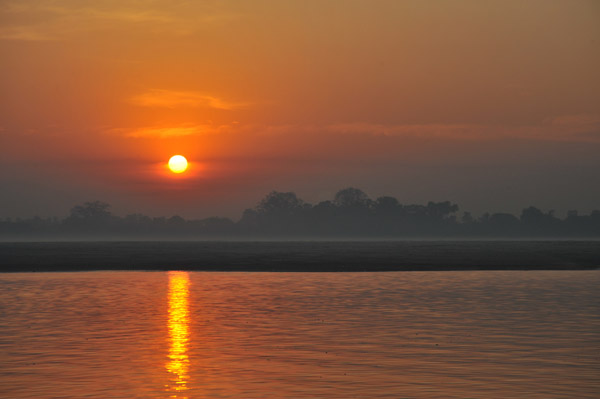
281 212
351 213
93 215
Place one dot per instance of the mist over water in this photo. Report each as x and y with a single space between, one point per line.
283 215
279 335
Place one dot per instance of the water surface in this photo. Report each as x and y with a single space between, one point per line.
487 334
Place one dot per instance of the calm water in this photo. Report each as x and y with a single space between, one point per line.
300 335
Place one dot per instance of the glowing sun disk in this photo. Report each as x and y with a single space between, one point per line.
178 164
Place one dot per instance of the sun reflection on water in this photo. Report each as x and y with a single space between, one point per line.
178 364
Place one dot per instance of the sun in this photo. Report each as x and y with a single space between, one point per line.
178 164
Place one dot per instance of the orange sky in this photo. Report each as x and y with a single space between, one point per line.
492 104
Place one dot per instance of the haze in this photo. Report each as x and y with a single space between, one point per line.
490 104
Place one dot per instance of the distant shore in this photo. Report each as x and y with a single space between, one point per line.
300 256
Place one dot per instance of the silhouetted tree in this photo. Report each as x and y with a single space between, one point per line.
350 213
441 210
281 212
249 221
351 197
280 203
322 218
90 216
503 224
217 225
136 223
137 219
389 215
176 221
95 210
354 212
386 205
534 221
467 218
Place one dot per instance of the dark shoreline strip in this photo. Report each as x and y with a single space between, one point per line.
301 256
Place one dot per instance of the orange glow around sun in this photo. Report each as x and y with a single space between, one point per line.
178 164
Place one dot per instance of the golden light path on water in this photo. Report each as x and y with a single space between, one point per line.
178 364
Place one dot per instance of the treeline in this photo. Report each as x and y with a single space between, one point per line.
351 213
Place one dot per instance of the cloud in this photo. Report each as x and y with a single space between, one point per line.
25 33
168 131
578 121
574 128
174 99
411 130
582 127
64 18
46 22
